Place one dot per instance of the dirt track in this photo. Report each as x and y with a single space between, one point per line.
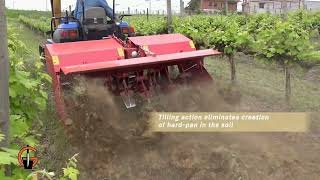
112 148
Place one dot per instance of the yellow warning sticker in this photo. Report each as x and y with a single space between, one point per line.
192 45
121 52
145 47
55 60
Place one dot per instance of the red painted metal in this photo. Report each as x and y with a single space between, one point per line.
56 87
164 44
140 65
84 52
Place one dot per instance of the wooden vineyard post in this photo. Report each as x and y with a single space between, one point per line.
169 16
4 76
4 81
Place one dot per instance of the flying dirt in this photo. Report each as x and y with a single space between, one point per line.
116 143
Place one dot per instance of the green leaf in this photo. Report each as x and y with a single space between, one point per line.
18 126
8 158
19 173
71 173
13 152
12 93
31 140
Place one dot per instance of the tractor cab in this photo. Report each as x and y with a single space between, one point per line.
93 25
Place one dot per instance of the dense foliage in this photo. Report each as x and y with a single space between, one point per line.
152 25
28 94
193 5
28 87
41 24
28 97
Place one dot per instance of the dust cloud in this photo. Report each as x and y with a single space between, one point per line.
115 143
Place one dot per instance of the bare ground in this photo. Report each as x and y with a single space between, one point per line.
114 143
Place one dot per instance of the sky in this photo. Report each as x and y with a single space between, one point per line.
121 5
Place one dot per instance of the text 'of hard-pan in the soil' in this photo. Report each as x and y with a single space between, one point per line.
229 122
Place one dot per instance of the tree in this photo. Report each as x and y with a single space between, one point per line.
285 44
193 5
228 37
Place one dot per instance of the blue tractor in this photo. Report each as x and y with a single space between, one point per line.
93 25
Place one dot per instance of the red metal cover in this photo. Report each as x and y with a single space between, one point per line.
164 44
138 62
84 52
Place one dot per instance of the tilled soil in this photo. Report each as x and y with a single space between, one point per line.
114 143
